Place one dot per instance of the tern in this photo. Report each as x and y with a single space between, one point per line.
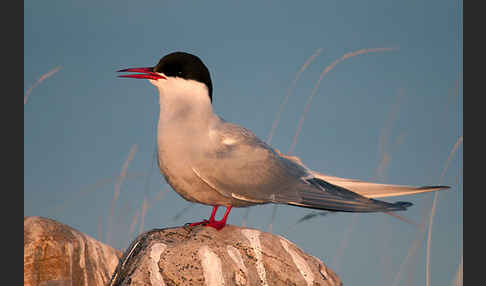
210 161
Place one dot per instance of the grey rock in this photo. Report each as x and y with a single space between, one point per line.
58 255
232 256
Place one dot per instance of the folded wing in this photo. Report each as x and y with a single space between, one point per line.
368 189
376 190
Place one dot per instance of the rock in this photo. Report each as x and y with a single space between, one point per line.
204 256
57 255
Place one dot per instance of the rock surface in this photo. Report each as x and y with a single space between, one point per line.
232 256
57 255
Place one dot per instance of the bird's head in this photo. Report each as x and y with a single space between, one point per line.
174 71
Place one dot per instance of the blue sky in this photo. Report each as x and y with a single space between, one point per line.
81 123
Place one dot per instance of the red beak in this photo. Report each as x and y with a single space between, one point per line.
145 73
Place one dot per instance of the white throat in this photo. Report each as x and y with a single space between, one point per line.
186 116
183 100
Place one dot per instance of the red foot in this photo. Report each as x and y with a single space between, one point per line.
218 225
212 222
205 222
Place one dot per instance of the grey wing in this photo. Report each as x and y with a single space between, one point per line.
243 167
377 190
369 189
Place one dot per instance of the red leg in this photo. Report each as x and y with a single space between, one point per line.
212 222
211 218
219 224
228 209
213 213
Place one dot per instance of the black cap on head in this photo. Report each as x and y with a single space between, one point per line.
187 66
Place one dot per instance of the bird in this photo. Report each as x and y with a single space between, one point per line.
211 161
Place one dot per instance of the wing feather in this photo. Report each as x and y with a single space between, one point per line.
369 189
376 190
241 166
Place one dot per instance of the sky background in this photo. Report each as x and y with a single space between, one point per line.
391 116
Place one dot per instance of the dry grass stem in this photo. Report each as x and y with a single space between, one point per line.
316 87
289 92
432 211
118 184
39 81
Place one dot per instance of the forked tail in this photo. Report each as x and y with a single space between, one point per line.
319 194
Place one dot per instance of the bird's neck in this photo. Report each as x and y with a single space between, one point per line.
185 105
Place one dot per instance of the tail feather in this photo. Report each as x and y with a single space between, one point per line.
376 190
323 195
367 189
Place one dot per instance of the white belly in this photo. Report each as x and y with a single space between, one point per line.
175 157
